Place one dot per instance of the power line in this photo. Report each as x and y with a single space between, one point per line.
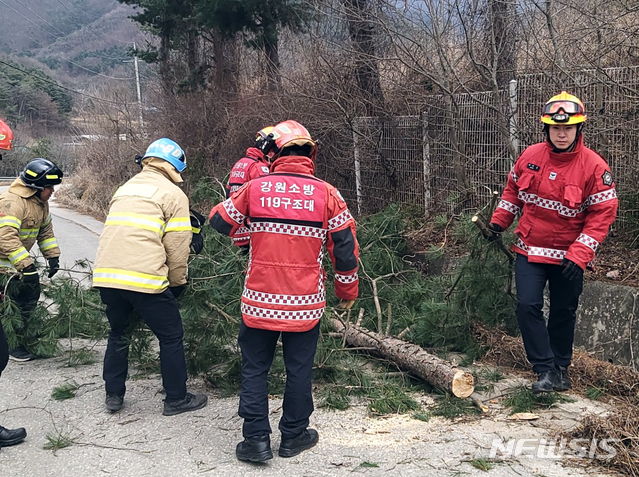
81 22
58 85
64 59
52 26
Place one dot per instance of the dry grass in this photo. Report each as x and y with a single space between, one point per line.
621 385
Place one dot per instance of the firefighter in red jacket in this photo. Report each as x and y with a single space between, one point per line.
253 165
566 199
293 216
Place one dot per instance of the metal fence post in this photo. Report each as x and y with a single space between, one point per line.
358 174
426 164
512 93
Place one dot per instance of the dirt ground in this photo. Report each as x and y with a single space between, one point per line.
77 436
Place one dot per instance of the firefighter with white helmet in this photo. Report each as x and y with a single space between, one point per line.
141 266
565 197
294 217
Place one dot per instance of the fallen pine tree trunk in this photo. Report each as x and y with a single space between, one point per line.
409 357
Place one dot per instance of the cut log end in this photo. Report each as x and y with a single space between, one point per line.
463 384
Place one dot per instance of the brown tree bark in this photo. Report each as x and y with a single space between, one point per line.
410 357
362 35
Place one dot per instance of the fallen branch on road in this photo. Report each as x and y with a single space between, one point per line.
410 357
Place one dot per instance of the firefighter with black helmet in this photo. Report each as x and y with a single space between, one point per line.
566 200
24 220
8 437
141 266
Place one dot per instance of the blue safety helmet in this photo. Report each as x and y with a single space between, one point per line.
168 150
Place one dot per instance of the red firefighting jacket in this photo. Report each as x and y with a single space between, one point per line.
293 215
567 203
247 168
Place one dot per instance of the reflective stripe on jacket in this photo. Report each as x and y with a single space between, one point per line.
24 220
247 168
567 203
293 215
144 246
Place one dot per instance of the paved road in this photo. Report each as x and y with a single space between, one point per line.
140 442
77 235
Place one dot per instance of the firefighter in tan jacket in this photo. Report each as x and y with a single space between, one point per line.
25 220
141 266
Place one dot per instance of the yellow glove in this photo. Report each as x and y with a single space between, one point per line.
346 304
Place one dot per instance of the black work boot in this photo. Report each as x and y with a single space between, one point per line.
562 381
254 449
9 437
20 354
191 402
545 382
114 402
293 446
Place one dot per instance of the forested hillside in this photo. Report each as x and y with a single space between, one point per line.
74 38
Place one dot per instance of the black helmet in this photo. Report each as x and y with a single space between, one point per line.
41 173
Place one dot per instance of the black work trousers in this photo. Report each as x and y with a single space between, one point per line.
4 349
25 296
161 314
258 350
547 345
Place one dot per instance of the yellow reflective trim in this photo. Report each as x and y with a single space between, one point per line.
178 224
47 221
31 173
52 176
6 264
18 255
10 221
196 230
126 277
140 221
24 235
48 244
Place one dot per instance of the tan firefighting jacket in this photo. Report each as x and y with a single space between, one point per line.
144 246
24 220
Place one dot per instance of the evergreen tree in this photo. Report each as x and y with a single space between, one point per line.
182 26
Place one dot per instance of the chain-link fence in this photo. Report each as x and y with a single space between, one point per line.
460 149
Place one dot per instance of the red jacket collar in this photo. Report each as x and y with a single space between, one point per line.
566 156
254 153
294 164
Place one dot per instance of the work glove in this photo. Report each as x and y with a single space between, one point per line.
495 232
54 266
177 290
30 275
197 221
571 270
346 304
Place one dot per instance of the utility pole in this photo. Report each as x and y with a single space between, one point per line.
137 85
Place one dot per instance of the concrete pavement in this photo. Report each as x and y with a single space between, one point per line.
140 442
